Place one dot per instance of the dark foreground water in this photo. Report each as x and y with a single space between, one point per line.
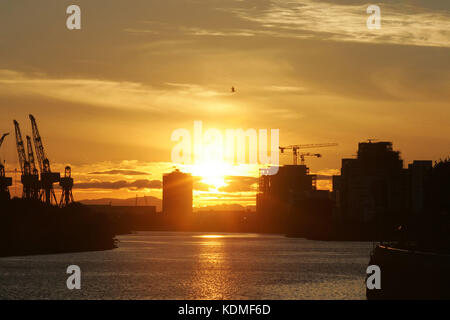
169 265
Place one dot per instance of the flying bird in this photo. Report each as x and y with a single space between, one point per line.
233 90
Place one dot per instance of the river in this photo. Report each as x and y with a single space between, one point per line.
179 265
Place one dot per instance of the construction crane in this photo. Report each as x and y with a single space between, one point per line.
66 184
35 188
297 147
48 178
307 154
5 182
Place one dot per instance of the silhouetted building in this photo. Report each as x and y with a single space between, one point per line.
288 202
283 192
375 185
370 186
177 193
418 173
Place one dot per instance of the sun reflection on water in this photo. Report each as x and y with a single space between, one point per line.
212 277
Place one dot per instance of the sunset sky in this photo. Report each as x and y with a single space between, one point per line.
108 97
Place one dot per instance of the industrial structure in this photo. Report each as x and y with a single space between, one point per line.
5 182
34 173
177 194
48 178
66 184
30 180
35 186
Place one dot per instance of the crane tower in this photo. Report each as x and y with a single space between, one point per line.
48 178
35 187
28 179
66 183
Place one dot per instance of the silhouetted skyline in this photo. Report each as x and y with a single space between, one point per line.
109 95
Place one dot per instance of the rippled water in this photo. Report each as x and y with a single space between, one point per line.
169 265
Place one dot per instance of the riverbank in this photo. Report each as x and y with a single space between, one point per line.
30 227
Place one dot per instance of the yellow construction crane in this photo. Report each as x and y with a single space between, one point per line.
297 147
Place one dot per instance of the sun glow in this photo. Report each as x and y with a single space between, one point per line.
211 236
212 174
212 179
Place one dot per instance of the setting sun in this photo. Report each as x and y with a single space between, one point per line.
211 236
212 174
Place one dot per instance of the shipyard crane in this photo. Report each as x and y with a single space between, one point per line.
35 188
66 184
297 147
40 153
31 155
23 162
5 182
48 178
27 179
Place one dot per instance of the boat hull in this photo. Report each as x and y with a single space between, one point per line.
407 274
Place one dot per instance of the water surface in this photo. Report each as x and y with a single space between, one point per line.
171 265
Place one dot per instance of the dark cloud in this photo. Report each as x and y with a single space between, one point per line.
123 172
121 184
